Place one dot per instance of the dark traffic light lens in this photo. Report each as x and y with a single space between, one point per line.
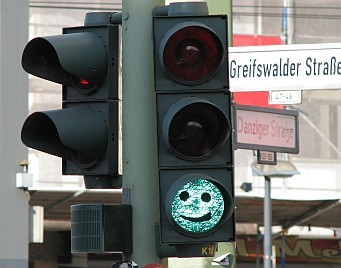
82 160
191 54
194 129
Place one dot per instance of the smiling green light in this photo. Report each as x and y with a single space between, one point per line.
198 206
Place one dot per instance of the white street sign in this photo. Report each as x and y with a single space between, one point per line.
285 67
285 97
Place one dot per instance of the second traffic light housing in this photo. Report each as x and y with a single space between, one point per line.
195 154
86 132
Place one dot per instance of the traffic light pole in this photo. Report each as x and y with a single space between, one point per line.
224 7
140 178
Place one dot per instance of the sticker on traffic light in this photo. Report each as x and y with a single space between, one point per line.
197 204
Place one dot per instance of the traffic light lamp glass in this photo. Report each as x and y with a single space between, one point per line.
192 54
82 160
198 207
82 85
197 129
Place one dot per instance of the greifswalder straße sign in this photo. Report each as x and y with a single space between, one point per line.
265 129
285 67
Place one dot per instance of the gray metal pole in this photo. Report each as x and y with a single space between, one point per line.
140 178
267 224
283 249
14 236
259 239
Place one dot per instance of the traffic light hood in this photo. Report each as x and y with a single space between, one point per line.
77 134
67 58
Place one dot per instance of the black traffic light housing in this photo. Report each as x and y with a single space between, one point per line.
86 132
79 135
195 153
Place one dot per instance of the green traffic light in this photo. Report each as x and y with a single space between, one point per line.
198 206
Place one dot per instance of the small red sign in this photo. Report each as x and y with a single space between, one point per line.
260 98
154 265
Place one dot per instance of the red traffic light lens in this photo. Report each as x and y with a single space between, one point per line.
83 85
194 129
191 53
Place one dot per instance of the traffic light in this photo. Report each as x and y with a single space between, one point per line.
195 154
85 133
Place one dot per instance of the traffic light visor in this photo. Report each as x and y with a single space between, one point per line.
194 128
191 53
77 59
76 134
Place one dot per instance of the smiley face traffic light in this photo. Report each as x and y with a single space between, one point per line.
195 154
197 206
85 133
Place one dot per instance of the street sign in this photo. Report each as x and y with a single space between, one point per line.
287 67
285 97
266 158
266 129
